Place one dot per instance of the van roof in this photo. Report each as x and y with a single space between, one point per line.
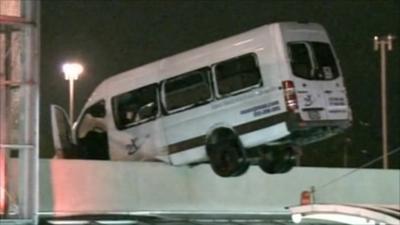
188 60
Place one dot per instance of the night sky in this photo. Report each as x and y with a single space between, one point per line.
109 37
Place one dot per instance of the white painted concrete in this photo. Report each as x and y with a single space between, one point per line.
77 186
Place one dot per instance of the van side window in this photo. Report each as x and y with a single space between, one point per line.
135 107
187 90
237 74
300 60
98 109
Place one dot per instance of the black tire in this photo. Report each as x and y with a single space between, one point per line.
275 160
226 154
242 170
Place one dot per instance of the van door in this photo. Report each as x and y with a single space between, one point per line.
92 133
138 135
319 86
333 89
61 132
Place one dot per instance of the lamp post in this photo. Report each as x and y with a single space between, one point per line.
384 43
71 72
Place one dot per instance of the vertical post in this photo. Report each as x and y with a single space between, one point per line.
3 132
22 64
345 157
5 75
384 43
3 182
28 167
71 100
383 105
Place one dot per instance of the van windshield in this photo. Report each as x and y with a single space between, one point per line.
313 60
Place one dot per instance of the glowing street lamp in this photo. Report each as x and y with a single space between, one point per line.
71 72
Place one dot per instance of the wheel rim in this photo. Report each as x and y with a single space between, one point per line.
227 157
287 161
277 161
267 161
225 162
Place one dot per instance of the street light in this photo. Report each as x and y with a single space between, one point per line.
384 43
71 72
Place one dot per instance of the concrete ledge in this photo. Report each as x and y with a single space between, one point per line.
78 186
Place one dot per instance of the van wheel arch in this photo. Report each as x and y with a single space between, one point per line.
226 153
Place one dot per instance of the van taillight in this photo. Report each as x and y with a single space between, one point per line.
290 95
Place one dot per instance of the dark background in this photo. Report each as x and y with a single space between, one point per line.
109 37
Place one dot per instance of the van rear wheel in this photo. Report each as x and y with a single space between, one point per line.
226 154
279 159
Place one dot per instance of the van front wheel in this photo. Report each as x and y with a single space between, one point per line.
226 154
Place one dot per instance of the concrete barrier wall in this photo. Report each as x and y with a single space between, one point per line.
77 186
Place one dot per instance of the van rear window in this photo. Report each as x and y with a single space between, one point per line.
327 68
300 60
313 60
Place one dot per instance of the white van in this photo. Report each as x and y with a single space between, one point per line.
247 99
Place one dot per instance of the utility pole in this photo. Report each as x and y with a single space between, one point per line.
384 43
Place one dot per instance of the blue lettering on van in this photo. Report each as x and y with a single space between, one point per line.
337 101
266 111
259 110
338 111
